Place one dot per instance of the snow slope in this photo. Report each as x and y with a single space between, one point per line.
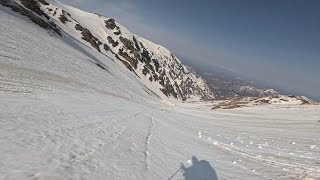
69 112
156 66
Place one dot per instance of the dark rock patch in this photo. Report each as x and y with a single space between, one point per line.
111 41
156 64
155 77
136 44
127 43
131 60
117 33
44 2
106 47
146 57
145 71
55 12
304 101
35 8
79 27
87 36
63 18
110 24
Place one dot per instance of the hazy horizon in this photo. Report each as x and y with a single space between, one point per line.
207 69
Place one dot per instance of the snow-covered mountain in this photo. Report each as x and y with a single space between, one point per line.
229 85
234 91
263 101
70 112
160 70
255 92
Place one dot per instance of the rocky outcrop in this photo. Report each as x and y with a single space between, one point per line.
63 18
79 27
87 36
110 24
33 5
127 43
117 32
111 41
29 7
132 61
106 47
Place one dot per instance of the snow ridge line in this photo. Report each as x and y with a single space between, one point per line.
148 139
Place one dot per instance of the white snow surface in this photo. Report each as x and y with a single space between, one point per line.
63 117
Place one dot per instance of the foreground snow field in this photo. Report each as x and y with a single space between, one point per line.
63 117
72 135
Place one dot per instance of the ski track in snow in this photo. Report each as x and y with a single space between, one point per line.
148 140
62 117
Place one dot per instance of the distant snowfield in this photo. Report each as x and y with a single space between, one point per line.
63 117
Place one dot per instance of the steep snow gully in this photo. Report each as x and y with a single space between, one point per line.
64 117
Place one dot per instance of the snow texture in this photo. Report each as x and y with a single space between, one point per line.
62 116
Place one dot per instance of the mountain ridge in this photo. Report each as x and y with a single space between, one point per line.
161 70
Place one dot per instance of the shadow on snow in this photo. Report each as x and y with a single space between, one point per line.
199 170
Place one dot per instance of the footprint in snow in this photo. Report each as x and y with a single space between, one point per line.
200 136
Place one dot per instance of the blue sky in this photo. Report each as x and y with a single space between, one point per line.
275 41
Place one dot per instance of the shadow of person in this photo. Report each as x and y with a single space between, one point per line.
199 170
